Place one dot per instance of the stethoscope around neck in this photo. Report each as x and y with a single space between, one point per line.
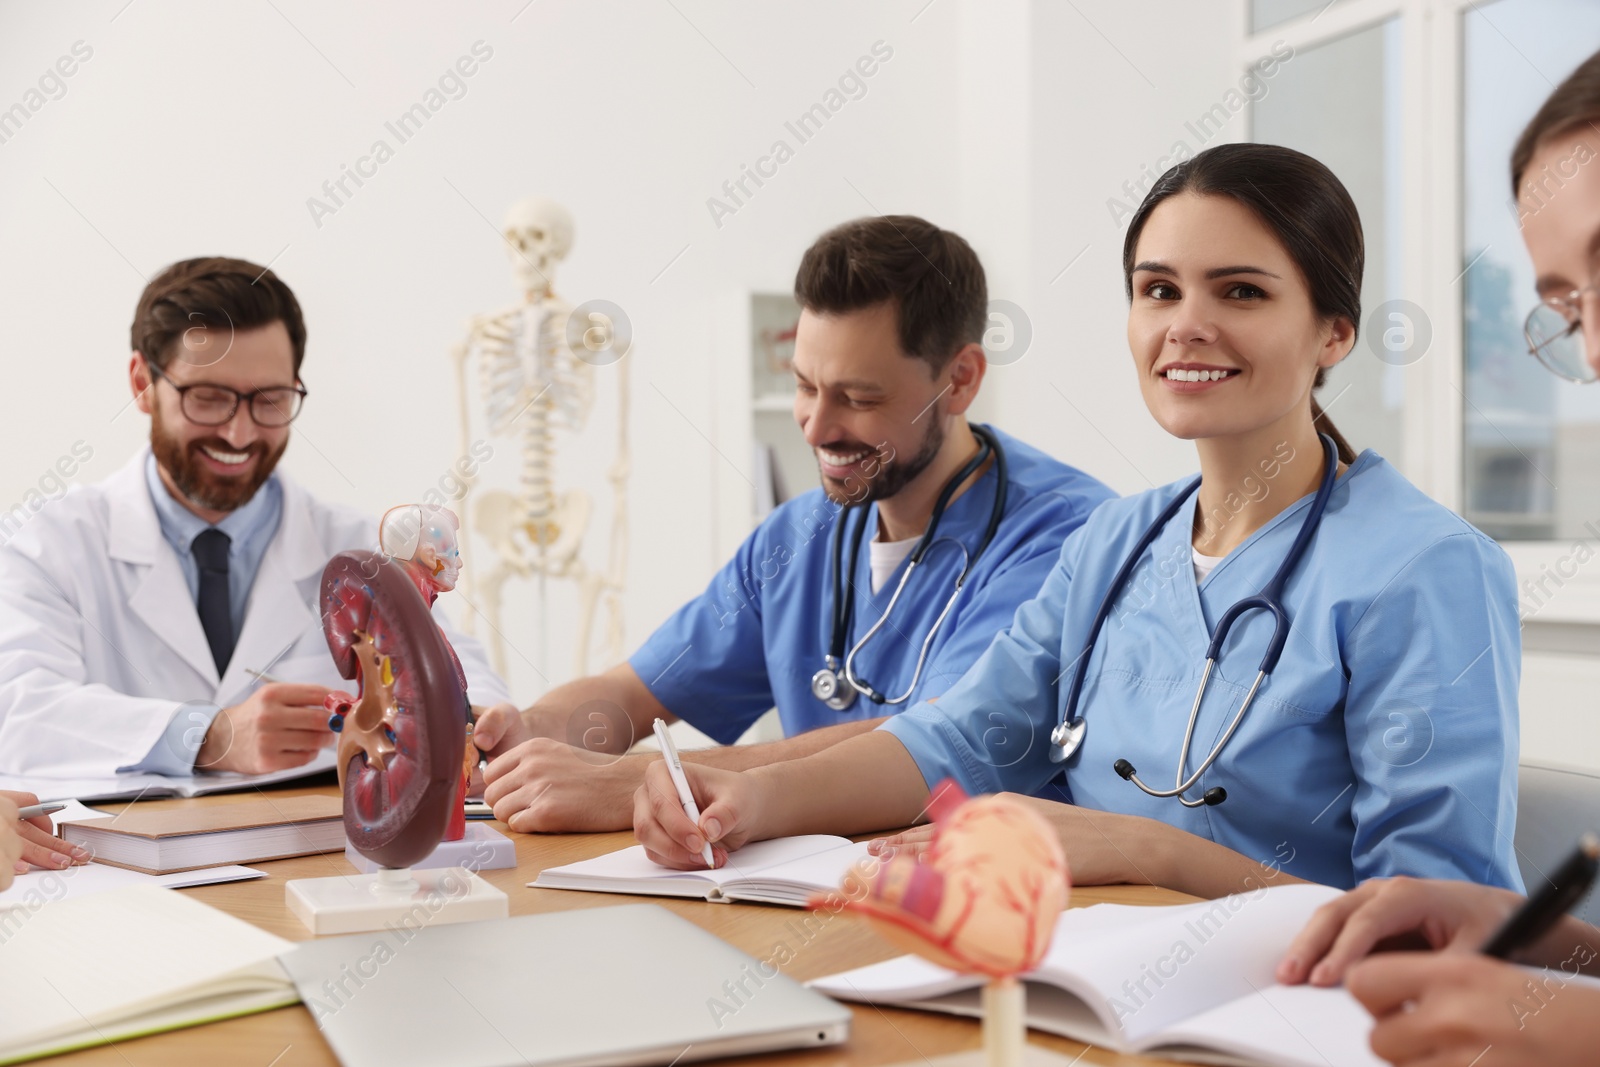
1068 734
838 683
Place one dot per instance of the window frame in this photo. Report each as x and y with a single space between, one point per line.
1432 198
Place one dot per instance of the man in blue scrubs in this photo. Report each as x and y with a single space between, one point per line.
888 360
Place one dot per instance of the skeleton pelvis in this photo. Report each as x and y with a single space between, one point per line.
521 539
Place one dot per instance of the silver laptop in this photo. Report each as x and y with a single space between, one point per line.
596 986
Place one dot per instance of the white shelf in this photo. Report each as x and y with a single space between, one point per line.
780 403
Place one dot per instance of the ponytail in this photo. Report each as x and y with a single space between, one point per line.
1323 424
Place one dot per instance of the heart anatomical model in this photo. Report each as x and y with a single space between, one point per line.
985 895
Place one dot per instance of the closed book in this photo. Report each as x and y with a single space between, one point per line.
190 836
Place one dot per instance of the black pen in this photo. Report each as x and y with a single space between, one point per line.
1561 891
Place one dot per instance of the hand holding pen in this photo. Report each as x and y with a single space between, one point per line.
35 843
667 816
1429 914
669 753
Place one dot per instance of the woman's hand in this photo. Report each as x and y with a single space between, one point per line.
1393 913
10 841
38 844
1099 845
1440 1009
730 805
913 842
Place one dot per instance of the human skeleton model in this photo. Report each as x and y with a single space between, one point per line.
536 378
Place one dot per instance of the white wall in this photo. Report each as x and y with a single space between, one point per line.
198 129
1110 98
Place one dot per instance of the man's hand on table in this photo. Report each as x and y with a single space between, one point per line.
546 786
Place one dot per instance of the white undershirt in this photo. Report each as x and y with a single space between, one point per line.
1203 565
886 556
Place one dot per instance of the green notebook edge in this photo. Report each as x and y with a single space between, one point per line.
287 999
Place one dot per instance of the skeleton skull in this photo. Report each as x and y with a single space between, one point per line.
538 234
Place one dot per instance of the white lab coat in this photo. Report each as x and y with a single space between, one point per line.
101 643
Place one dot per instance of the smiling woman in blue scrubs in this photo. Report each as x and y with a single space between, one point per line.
1384 739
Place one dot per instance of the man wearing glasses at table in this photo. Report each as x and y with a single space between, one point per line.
137 614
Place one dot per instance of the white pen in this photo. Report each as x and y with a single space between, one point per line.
262 676
669 752
33 811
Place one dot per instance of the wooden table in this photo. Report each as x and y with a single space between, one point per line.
288 1037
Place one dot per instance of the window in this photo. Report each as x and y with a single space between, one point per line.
1265 14
1339 101
1531 442
1416 104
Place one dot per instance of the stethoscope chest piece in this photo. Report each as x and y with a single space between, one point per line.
828 686
1065 739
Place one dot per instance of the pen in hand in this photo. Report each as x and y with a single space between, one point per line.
1543 909
472 732
33 811
669 752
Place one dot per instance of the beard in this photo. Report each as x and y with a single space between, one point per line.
203 487
893 475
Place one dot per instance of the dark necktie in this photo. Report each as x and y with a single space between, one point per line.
210 550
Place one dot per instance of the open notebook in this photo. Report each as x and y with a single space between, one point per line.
1192 982
150 786
128 962
785 870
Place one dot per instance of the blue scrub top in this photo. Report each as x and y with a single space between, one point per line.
1385 742
759 632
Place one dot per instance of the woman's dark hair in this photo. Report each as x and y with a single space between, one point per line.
1307 209
1576 102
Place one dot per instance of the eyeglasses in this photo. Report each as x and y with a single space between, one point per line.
205 404
1554 332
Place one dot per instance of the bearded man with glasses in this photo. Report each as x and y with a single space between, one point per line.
166 620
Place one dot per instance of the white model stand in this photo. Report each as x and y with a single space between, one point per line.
391 898
534 383
1005 1034
483 849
